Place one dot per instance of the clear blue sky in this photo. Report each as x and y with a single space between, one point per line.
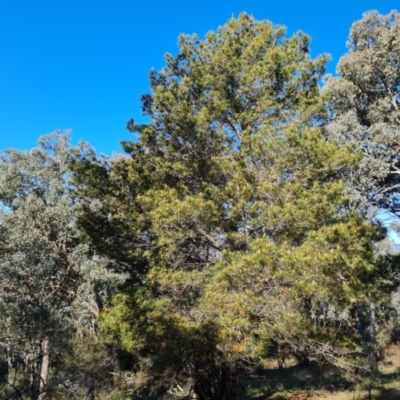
83 65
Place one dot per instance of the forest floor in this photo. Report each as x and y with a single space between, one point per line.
325 383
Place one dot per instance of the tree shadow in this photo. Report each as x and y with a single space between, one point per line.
295 381
299 382
387 394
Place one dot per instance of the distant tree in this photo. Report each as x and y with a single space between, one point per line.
52 286
364 102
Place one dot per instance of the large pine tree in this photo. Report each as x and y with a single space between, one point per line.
229 216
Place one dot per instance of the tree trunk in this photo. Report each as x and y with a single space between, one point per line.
90 393
32 362
44 367
216 382
304 361
355 320
228 383
372 323
10 379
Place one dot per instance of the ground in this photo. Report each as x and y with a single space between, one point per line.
325 383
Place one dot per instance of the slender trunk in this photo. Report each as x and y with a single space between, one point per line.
196 384
303 361
228 383
375 354
216 382
355 320
32 363
10 379
372 323
90 392
44 368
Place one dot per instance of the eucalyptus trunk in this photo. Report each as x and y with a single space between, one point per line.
44 367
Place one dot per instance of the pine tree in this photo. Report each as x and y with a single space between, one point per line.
230 216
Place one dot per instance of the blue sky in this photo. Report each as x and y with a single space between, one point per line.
83 65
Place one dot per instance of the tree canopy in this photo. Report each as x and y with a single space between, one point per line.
364 102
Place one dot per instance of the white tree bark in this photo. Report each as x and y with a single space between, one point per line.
44 368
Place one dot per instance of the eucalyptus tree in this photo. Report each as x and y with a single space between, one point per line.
229 216
364 100
51 284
